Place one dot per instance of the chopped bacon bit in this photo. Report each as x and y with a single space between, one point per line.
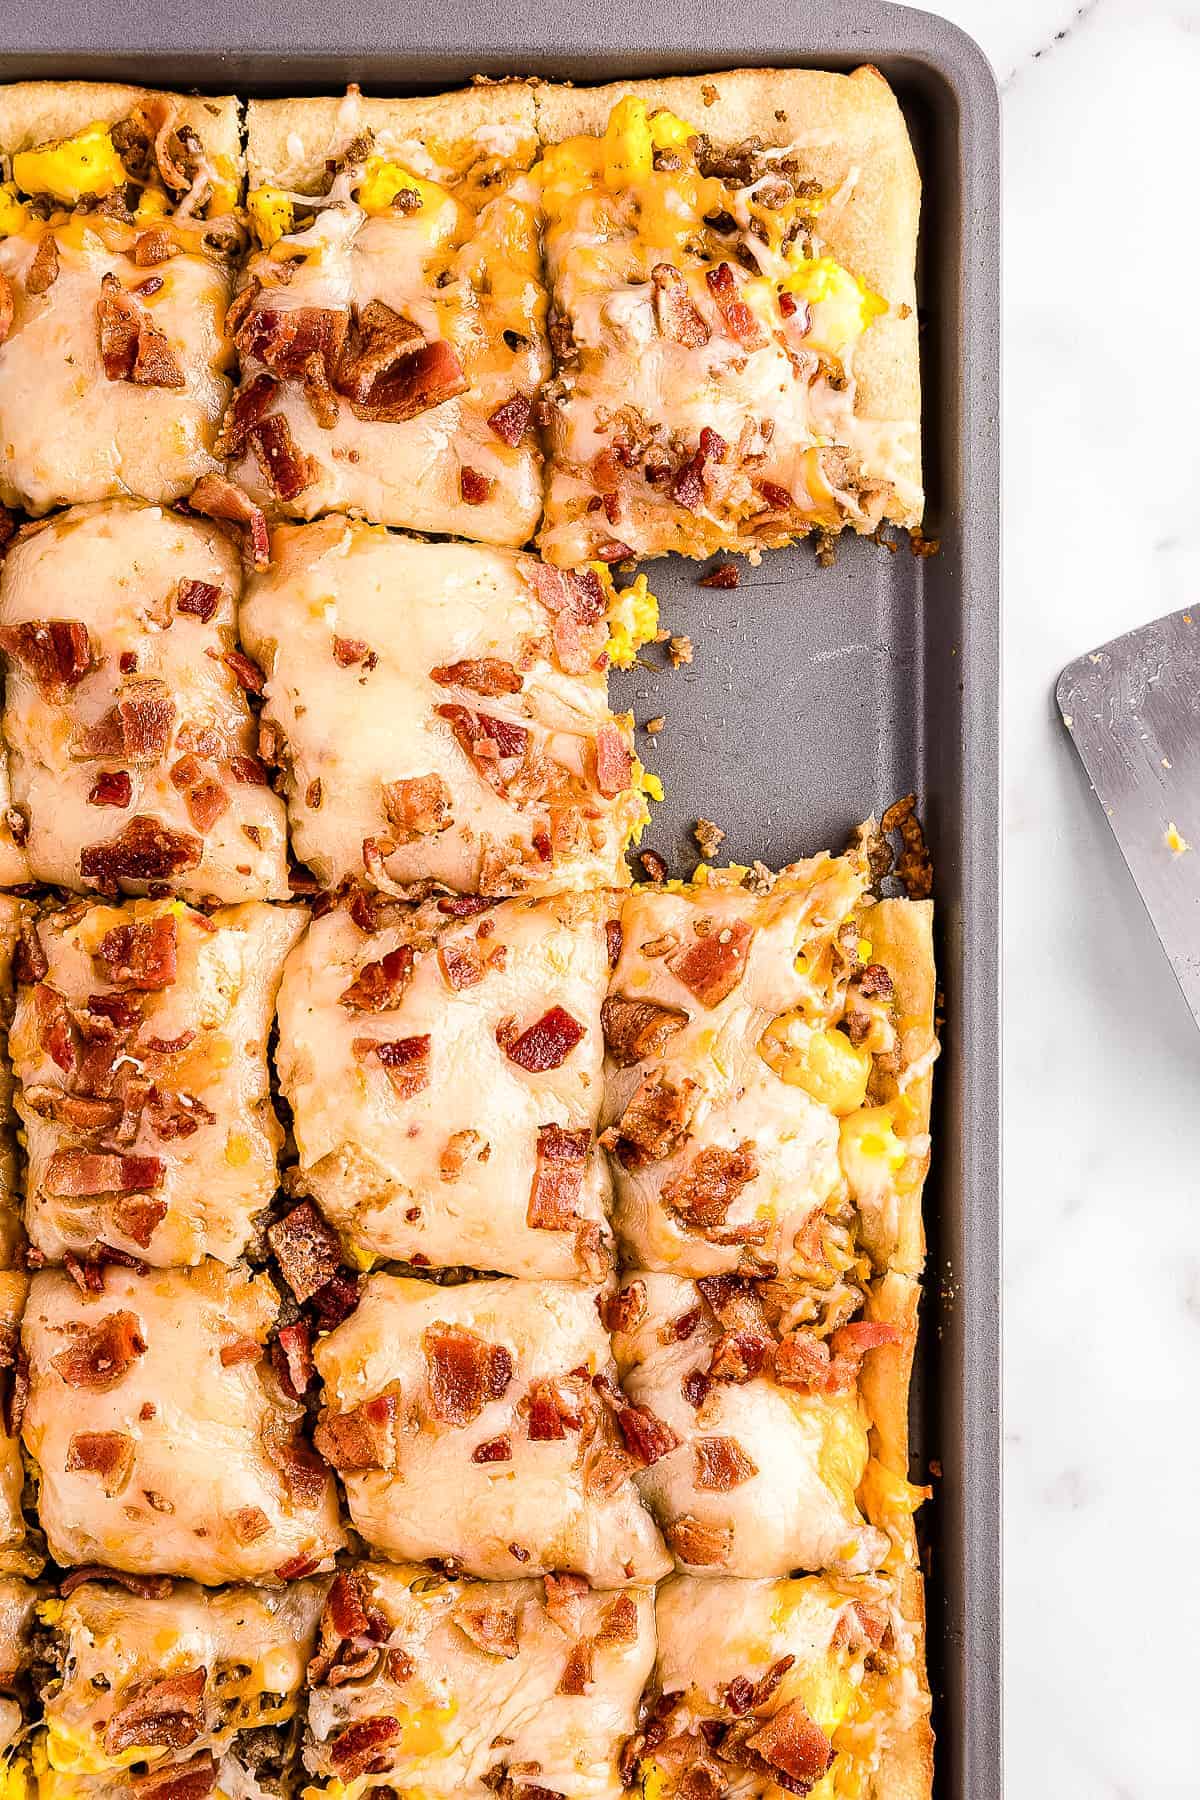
206 803
30 962
491 1627
486 740
7 307
139 1218
711 966
862 1335
131 347
112 787
791 1740
778 498
294 1364
248 673
249 770
195 1779
57 653
564 1600
358 1439
358 1750
707 1187
614 762
725 575
244 1350
575 599
296 1567
547 1043
71 1173
217 498
653 1123
108 1454
803 1363
390 374
614 939
510 421
624 1310
379 986
248 1524
286 341
698 1545
347 652
464 1372
647 1437
679 318
687 487
200 599
578 1674
636 1029
145 851
404 1060
464 906
458 1147
307 1250
137 728
721 1464
553 1409
43 270
861 1627
473 486
146 1587
304 1474
806 1364
248 406
497 1449
462 963
141 955
737 318
285 468
101 1354
153 247
347 1602
55 1032
417 806
169 1711
489 675
612 550
335 1301
557 1178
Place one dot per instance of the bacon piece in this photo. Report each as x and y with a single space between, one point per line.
498 1449
458 1147
249 771
30 962
417 806
294 1362
473 486
335 1301
195 1779
390 374
489 675
614 762
861 1627
285 468
461 963
547 1043
653 1124
647 1437
405 1061
73 1173
43 270
244 1350
248 1524
136 730
487 741
554 1408
624 1310
131 347
564 1600
141 955
511 421
712 965
778 498
347 1602
579 1672
637 1029
679 318
101 1354
56 1035
112 787
307 1250
153 247
808 1365
358 1439
249 405
464 1372
359 1749
379 986
217 498
803 1363
861 1335
285 341
699 1545
575 600
146 850
146 1587
139 1218
7 307
707 1187
491 1627
687 487
725 575
304 1474
721 1464
737 318
792 1740
557 1178
108 1454
169 1711
198 599
57 653
348 652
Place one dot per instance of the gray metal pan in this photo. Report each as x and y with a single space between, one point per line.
816 695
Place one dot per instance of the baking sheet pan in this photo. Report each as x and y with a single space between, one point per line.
815 695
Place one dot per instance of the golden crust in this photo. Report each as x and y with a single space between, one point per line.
37 112
843 127
288 142
13 914
901 937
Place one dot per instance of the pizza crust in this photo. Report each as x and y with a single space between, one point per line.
39 112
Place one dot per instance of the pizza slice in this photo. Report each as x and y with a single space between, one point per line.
140 1050
731 270
117 243
132 743
770 1046
165 1443
481 1423
814 1686
443 1069
441 711
174 1683
464 1689
391 323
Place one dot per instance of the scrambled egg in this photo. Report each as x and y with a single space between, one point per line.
842 308
632 618
72 167
824 1063
271 214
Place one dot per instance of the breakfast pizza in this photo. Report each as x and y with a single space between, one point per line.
730 263
390 324
118 235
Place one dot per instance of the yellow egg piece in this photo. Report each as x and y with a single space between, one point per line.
71 167
271 214
824 1063
842 307
628 143
870 1151
668 132
437 210
14 214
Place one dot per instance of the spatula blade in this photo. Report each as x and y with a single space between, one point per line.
1133 709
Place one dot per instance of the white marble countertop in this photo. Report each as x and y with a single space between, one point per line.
1102 1064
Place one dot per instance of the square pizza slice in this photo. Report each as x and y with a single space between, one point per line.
770 1045
132 744
441 711
164 1441
174 1683
140 1050
812 1686
481 1424
731 271
117 242
391 324
461 1690
766 1423
444 1073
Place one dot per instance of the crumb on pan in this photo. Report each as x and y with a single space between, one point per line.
725 575
914 865
923 546
654 726
1174 839
710 837
679 649
654 867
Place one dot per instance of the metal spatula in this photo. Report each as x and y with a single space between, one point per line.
1133 709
